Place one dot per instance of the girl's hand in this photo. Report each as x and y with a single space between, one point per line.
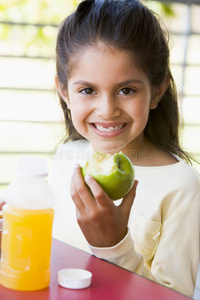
1 205
102 222
1 212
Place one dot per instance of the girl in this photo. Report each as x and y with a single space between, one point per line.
118 94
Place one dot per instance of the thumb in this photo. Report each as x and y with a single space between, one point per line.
128 200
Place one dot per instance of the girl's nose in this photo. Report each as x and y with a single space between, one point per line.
108 108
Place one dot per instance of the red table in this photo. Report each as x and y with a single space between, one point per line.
109 282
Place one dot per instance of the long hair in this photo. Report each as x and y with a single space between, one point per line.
127 25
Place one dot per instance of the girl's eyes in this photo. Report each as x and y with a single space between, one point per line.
126 91
87 91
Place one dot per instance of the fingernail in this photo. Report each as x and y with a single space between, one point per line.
87 178
76 166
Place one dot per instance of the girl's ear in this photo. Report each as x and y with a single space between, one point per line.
63 93
158 92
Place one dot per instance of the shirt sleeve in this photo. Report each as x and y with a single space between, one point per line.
176 258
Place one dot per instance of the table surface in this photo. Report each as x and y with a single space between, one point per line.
109 282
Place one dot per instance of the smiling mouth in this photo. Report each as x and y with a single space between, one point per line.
109 128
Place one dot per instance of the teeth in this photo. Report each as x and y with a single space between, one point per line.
101 128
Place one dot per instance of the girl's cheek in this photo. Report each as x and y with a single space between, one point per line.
140 110
78 118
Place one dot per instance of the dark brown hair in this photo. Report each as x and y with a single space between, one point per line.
128 25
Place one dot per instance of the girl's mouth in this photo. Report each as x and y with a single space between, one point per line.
108 130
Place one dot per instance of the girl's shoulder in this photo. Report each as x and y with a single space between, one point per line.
74 144
180 174
65 159
174 186
73 151
188 171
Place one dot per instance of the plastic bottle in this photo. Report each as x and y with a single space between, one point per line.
27 228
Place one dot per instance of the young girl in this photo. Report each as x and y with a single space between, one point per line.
117 94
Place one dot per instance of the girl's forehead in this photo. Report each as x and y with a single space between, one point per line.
101 48
106 66
105 52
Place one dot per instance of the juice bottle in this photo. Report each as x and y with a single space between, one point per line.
27 228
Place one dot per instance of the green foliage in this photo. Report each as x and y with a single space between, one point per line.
36 11
168 10
163 8
31 40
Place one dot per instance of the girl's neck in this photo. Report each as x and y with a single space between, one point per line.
150 155
145 153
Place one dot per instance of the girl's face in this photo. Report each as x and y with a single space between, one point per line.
109 98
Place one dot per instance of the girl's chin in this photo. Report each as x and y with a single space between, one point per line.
109 147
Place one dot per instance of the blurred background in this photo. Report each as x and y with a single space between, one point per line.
31 121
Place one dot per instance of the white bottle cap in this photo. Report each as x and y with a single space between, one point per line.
74 278
30 190
31 166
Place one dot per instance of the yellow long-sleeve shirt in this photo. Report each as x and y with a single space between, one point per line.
163 239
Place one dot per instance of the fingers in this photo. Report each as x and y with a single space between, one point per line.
1 204
97 191
78 189
102 222
75 196
87 192
80 193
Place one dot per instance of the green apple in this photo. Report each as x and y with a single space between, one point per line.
115 173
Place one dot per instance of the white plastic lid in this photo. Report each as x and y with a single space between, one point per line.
31 166
30 190
74 278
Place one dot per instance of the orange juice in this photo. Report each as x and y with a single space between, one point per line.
26 248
